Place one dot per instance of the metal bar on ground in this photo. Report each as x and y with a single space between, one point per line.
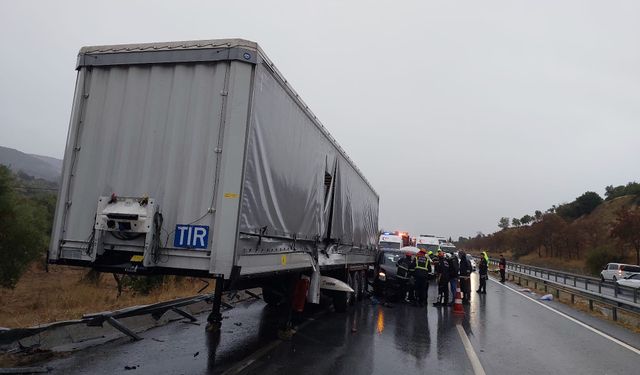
184 313
122 328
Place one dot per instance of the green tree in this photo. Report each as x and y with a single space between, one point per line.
503 223
526 219
538 215
23 226
515 222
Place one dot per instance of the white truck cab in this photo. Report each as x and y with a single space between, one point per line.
390 241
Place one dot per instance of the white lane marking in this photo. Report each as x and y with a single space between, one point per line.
473 357
590 328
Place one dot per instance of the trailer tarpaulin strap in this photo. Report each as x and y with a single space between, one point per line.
291 162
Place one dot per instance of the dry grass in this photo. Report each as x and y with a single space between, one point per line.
62 294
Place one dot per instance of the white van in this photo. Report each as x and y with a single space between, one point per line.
617 271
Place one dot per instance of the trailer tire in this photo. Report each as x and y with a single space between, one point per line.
271 297
340 301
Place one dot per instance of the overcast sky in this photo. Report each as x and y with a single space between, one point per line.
458 112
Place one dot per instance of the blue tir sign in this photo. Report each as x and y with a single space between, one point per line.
191 236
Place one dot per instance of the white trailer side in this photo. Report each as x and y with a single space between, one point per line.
174 143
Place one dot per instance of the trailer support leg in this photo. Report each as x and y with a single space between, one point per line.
214 320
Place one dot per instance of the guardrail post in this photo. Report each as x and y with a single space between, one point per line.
573 298
615 290
556 274
574 281
557 293
591 304
614 313
586 284
600 287
635 296
565 280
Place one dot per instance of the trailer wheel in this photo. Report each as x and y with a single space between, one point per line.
271 297
340 301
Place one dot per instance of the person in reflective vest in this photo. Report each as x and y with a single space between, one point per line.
502 265
483 273
421 274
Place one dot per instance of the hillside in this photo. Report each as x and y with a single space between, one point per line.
577 244
38 166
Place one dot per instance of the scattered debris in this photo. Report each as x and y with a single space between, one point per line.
131 367
525 290
237 324
547 297
158 340
196 354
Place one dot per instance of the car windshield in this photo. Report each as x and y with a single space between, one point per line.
427 247
390 245
390 257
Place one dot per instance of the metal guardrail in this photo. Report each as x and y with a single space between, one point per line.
587 287
156 310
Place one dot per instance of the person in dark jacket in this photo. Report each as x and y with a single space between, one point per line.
406 268
465 278
454 269
502 265
442 274
483 272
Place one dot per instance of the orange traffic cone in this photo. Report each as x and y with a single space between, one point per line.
457 304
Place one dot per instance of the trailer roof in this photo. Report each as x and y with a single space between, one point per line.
168 46
197 51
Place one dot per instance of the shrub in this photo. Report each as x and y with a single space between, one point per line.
143 284
23 225
597 258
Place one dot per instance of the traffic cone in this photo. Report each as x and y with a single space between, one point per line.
457 304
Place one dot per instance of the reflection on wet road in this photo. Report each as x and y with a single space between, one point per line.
507 332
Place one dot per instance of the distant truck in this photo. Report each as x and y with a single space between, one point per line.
198 158
390 241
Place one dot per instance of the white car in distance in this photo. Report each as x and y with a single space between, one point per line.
631 281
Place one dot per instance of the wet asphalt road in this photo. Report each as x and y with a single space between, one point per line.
508 333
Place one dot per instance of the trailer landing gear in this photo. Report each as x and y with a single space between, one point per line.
214 320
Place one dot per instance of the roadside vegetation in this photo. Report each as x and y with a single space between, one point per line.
579 236
33 293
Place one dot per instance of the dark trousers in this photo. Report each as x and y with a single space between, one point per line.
465 288
483 284
443 292
502 272
422 289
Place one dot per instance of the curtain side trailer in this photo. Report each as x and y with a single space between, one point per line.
198 158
